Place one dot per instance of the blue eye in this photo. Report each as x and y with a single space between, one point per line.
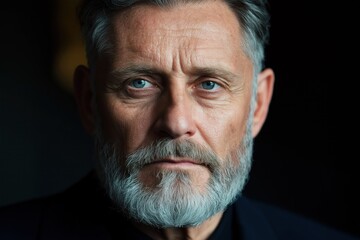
140 83
209 85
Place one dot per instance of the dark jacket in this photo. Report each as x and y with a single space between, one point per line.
84 212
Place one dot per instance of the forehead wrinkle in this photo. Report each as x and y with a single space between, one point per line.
133 18
136 46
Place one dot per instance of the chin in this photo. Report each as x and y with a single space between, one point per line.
153 177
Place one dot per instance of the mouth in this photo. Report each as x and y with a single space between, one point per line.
175 163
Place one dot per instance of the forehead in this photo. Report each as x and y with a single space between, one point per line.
212 19
202 32
210 12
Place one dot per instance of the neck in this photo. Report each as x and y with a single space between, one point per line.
201 232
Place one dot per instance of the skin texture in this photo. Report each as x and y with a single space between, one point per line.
177 73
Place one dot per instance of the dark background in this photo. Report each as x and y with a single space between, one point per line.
300 162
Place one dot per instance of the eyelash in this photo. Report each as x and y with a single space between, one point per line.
139 79
214 84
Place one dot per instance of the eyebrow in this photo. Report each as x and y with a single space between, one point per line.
215 72
130 71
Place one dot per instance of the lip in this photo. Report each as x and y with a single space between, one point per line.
178 162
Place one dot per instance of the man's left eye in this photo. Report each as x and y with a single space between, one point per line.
140 83
209 85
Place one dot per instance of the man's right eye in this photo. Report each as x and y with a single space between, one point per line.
140 83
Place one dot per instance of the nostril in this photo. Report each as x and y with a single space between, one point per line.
175 122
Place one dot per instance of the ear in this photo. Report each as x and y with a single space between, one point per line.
83 95
264 93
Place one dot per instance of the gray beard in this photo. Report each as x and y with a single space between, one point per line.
174 202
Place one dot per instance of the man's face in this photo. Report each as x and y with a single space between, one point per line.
176 74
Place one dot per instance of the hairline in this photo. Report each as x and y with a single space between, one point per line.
101 45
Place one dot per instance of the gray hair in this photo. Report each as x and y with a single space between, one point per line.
252 15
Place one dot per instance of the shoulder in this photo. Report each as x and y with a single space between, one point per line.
73 212
27 220
21 219
282 224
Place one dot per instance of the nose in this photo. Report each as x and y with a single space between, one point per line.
175 119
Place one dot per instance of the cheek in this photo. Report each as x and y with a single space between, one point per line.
224 134
236 124
125 127
234 132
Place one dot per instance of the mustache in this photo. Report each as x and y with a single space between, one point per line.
166 148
